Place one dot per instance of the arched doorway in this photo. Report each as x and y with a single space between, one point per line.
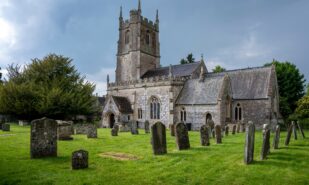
111 120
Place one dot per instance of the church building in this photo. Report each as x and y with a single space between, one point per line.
189 93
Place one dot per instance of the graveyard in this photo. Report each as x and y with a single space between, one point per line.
129 159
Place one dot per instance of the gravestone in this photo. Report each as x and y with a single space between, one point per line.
234 129
43 138
204 132
182 136
114 131
124 127
276 137
158 138
64 131
6 127
92 131
134 130
146 124
288 135
266 143
238 127
301 130
79 159
172 128
249 144
213 133
242 127
218 134
227 130
23 122
294 130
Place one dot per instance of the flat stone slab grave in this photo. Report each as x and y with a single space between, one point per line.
119 156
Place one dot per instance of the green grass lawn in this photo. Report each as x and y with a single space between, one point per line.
216 164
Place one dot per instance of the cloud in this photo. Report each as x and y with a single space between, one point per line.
99 78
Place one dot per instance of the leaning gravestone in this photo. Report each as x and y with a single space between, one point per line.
182 136
172 127
92 131
266 143
64 131
234 129
146 124
238 127
134 130
301 130
158 138
227 130
204 131
288 135
294 130
115 130
79 159
6 127
249 144
218 134
276 137
43 138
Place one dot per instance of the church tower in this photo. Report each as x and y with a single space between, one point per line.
138 46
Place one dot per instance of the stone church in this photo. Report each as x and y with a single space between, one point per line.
189 93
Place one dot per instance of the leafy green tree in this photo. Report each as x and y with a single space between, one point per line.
291 86
308 90
189 59
49 87
302 109
218 69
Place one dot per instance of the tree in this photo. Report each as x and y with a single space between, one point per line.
218 69
189 59
307 89
302 109
49 87
291 86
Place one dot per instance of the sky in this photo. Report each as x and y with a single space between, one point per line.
234 34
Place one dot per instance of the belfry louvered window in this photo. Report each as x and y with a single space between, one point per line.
154 108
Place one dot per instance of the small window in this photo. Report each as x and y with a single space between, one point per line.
183 115
127 37
140 113
238 112
154 108
147 37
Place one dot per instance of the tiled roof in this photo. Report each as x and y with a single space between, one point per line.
123 104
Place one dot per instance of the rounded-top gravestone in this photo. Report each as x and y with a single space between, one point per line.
114 131
158 138
79 159
6 127
146 124
204 135
182 136
92 131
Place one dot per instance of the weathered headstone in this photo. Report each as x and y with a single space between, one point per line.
92 131
234 129
249 144
227 130
146 124
218 134
23 122
43 138
301 130
182 136
2 121
294 130
266 142
213 133
64 131
6 127
79 159
204 131
276 137
238 127
124 127
134 130
172 128
115 130
158 138
288 135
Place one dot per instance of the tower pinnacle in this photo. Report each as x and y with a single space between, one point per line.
139 6
157 16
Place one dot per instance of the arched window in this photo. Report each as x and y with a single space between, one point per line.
238 112
127 37
147 37
183 115
154 108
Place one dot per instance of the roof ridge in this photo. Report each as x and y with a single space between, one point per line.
241 69
175 65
